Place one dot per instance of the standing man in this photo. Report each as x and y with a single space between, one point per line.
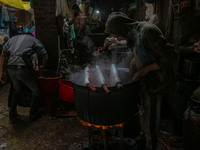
83 44
153 63
18 51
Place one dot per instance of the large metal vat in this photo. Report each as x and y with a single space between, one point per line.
100 108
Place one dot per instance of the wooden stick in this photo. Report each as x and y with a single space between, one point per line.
119 85
102 80
105 88
91 87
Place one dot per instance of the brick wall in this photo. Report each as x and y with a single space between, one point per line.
46 29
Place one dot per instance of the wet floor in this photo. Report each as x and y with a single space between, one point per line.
63 132
44 134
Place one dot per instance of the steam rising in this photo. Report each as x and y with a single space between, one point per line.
114 75
120 57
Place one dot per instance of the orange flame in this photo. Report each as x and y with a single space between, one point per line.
104 127
98 48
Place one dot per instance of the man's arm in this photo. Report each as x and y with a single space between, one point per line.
41 53
44 63
144 71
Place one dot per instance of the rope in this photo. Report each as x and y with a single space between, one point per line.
164 144
176 12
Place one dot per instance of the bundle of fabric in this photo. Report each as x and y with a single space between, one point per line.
62 8
4 19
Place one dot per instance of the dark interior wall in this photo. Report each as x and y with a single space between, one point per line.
184 27
190 25
46 29
176 32
165 14
139 13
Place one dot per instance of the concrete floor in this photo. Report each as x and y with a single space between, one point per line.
43 134
47 133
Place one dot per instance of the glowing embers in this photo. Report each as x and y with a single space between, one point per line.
103 127
102 137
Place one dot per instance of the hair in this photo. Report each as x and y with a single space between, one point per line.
118 23
75 7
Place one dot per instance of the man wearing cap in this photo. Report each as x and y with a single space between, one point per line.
19 50
153 63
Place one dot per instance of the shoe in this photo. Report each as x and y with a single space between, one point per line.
35 117
13 115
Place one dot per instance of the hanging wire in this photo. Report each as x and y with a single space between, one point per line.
176 12
164 144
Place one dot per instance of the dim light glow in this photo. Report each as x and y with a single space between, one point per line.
104 127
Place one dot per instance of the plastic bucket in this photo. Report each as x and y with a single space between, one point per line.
49 87
66 92
49 82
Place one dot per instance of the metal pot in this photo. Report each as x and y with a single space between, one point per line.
100 108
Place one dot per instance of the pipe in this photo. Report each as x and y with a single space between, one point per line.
115 76
102 80
59 54
91 87
86 79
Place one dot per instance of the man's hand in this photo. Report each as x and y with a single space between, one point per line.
144 71
42 66
132 66
141 73
41 71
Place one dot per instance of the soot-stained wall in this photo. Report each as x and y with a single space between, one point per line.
46 29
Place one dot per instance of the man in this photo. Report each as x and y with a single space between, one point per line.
153 63
83 44
13 27
19 49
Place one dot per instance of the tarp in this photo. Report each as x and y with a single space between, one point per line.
17 4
